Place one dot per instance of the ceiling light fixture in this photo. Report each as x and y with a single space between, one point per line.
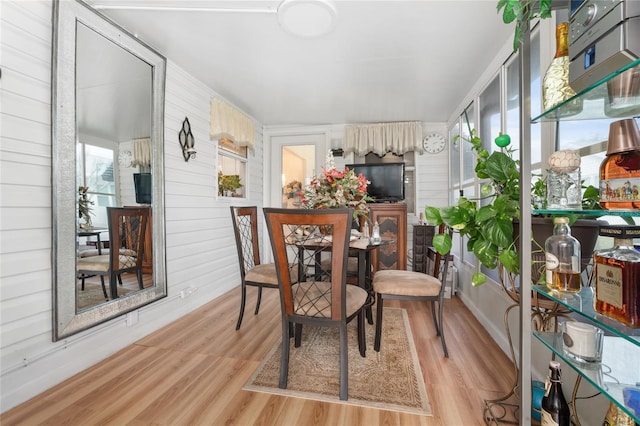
307 18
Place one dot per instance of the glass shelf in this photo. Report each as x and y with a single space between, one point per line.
595 103
590 213
619 369
582 303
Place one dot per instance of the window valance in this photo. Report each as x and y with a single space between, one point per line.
230 123
141 152
380 138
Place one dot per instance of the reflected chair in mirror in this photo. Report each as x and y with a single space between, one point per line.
127 233
415 286
300 239
253 273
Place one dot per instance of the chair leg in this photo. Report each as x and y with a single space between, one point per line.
104 288
120 280
436 323
298 335
344 366
441 324
376 343
284 359
258 301
362 337
243 299
139 274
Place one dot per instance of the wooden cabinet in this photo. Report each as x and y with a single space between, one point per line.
422 239
392 219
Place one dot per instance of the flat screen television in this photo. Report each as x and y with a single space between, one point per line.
142 184
387 180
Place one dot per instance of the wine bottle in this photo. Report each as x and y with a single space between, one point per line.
555 84
554 408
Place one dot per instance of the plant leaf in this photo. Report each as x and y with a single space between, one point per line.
478 278
432 215
510 260
442 243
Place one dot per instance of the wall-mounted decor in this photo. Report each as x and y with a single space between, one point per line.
187 142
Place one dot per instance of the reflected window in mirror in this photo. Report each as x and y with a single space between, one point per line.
232 169
96 173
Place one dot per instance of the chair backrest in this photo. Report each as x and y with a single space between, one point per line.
441 262
300 239
127 233
245 228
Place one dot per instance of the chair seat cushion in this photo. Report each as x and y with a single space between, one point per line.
263 273
314 299
405 283
101 263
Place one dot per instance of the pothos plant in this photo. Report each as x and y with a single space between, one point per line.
487 221
489 227
523 12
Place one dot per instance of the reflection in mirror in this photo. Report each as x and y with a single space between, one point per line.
108 159
112 86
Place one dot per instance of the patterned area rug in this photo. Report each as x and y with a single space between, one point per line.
388 380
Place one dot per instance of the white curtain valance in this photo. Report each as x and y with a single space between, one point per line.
229 122
141 152
381 138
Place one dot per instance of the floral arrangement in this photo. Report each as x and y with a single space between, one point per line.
292 189
334 189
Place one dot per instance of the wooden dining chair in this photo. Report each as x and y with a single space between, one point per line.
416 286
253 273
127 233
319 298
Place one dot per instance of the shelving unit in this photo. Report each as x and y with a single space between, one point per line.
624 341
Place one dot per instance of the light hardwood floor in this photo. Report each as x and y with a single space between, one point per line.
192 372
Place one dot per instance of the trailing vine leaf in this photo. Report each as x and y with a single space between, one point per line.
523 12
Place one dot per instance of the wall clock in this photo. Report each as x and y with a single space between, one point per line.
434 143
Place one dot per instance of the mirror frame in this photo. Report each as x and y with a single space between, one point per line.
66 321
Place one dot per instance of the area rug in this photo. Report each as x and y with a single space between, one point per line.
390 379
92 294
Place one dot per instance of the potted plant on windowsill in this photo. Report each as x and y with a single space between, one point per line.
492 235
228 184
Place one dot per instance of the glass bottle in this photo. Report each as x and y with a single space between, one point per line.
555 84
620 170
554 408
617 273
616 417
562 256
375 234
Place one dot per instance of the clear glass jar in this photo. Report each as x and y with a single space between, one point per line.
562 256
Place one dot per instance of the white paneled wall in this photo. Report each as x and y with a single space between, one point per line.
198 225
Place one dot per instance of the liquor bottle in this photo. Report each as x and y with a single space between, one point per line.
616 417
617 274
562 256
555 84
554 408
620 170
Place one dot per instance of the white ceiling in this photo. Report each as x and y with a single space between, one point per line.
383 61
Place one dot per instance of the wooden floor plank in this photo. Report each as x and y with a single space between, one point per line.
192 371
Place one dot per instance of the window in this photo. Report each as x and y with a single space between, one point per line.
96 171
232 169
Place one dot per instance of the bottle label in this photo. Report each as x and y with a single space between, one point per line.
546 419
609 284
551 263
622 189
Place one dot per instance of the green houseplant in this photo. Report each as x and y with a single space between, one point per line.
492 236
228 183
84 207
523 12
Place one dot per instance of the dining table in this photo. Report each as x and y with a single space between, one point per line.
360 247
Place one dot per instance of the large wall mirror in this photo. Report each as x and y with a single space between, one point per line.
108 190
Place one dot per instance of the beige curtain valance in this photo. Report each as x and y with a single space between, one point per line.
229 122
381 138
141 152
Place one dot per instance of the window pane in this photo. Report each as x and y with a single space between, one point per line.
100 204
99 170
489 103
468 157
230 171
298 163
455 155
